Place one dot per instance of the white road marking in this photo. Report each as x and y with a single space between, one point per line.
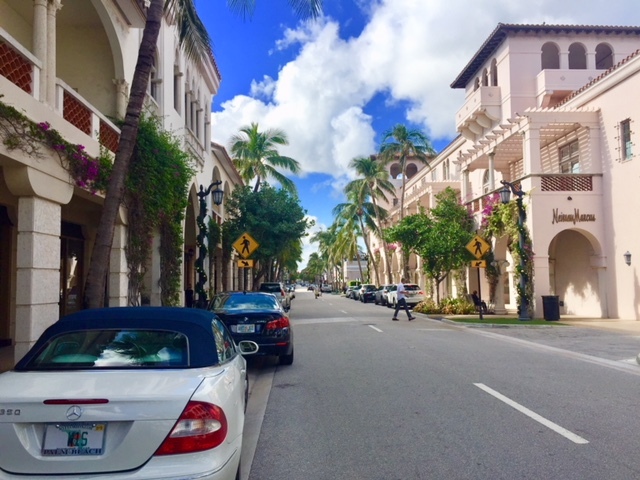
547 423
346 313
375 328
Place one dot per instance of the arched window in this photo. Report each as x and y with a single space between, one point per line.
550 57
604 57
485 78
485 182
410 169
494 73
577 57
154 79
446 166
176 82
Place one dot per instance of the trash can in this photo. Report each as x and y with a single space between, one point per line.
551 307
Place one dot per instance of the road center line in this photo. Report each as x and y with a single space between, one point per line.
346 313
547 423
375 328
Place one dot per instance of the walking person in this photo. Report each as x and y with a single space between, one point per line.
402 301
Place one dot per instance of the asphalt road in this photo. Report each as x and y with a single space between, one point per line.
368 398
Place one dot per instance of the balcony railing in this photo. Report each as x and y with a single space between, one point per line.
584 182
22 69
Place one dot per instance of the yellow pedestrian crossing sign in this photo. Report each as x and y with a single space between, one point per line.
478 247
245 263
245 245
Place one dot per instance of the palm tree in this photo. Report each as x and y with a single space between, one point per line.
401 144
346 245
357 209
375 185
194 39
255 155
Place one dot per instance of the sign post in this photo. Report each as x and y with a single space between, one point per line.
245 245
479 247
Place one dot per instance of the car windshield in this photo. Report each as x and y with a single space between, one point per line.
243 301
98 348
271 288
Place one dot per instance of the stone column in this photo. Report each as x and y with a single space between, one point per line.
542 285
492 174
40 43
118 279
498 301
52 11
37 270
531 151
122 97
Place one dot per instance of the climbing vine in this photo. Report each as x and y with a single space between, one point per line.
156 199
18 132
499 219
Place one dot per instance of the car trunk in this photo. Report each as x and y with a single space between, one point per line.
249 323
122 416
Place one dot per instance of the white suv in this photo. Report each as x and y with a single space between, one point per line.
413 293
281 293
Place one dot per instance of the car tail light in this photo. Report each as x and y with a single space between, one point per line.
279 324
202 426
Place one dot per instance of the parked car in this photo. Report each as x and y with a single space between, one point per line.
311 288
355 293
326 288
256 316
381 294
281 293
414 295
159 391
367 292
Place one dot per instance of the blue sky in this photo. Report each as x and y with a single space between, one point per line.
335 85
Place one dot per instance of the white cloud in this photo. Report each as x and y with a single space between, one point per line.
410 50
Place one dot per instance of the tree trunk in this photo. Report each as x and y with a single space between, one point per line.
99 263
403 258
384 243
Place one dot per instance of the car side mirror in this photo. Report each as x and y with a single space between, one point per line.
247 347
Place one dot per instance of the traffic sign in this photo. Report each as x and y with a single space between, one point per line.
478 247
479 264
245 263
245 245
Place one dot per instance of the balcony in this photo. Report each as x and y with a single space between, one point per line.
585 186
553 85
22 69
479 112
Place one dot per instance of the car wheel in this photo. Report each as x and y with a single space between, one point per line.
286 359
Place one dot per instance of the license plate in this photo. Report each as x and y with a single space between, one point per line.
73 439
246 328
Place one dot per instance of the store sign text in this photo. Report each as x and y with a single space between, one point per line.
575 217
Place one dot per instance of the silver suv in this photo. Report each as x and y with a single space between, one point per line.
281 293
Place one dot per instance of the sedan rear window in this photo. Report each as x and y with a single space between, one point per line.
411 287
126 348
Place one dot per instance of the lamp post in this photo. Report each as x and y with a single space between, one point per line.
218 193
505 194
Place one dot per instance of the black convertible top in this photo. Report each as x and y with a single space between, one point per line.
195 324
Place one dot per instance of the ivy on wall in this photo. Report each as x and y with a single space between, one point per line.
498 220
156 196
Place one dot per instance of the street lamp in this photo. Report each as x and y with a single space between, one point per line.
505 194
218 193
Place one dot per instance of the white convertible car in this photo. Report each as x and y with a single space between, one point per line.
126 393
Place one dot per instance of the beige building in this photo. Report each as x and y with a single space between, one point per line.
70 64
552 110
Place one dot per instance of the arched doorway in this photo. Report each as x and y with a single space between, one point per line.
575 271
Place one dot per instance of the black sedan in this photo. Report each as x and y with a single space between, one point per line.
256 316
